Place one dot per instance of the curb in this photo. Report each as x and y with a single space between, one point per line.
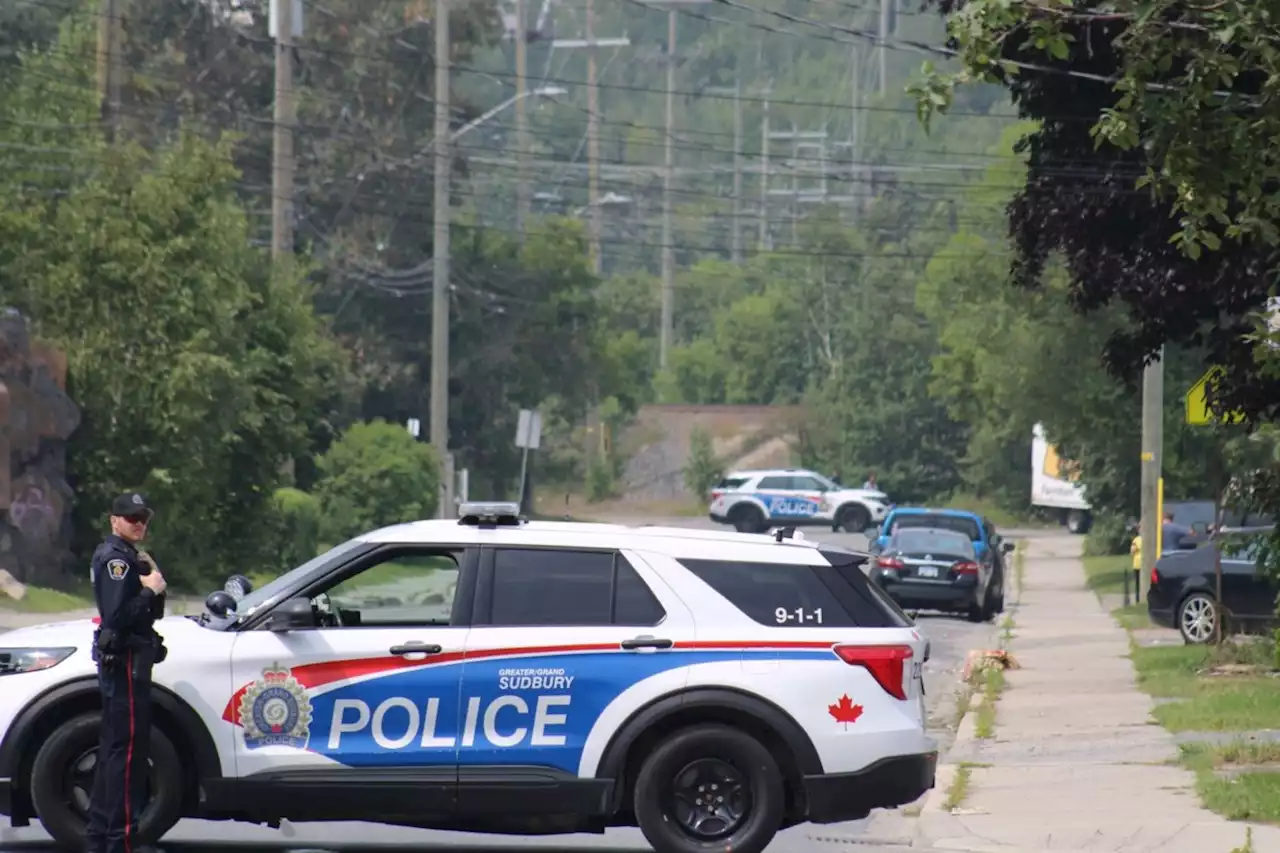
936 827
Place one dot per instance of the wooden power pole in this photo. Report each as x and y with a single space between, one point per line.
110 64
443 149
284 117
522 121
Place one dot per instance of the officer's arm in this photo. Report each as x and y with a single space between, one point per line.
125 602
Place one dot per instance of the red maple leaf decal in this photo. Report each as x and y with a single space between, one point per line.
845 711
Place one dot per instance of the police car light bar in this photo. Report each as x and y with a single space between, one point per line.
489 514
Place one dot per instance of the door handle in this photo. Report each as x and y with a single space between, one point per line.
646 643
416 649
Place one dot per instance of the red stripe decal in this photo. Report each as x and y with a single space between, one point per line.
326 672
128 758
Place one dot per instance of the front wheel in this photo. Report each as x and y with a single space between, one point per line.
708 789
62 781
1198 618
747 519
854 519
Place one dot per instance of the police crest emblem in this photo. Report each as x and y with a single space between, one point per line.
276 711
117 569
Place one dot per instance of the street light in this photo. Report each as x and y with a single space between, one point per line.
542 92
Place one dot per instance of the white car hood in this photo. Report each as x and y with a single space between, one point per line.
78 632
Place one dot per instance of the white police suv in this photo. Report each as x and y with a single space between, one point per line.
496 675
753 501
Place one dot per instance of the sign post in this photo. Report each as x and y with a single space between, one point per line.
528 437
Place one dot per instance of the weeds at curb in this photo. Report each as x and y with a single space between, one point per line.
993 684
959 788
1247 847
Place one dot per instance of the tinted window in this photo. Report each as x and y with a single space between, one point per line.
777 595
869 605
932 542
959 524
731 482
775 483
808 484
551 587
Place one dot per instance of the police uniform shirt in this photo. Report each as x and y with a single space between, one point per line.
125 605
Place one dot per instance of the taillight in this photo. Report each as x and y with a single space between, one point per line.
885 663
966 567
890 563
715 496
1155 576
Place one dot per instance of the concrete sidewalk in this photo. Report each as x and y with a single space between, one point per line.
1076 762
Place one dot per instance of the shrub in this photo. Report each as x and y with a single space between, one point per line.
298 521
376 474
702 470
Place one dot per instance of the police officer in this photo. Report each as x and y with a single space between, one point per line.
129 591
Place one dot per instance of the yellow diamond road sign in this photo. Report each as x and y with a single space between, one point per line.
1197 400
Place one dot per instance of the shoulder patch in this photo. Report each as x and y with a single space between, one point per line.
117 569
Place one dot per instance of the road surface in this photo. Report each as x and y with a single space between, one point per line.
951 639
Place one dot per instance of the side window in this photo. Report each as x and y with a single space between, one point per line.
780 596
807 484
775 483
535 586
414 587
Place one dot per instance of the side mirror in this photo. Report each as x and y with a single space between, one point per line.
220 603
291 615
1006 547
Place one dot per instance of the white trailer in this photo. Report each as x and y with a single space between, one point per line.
1054 484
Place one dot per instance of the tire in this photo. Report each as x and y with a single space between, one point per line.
51 785
1079 521
708 750
746 518
981 612
853 518
1198 631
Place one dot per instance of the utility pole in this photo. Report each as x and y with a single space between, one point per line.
110 64
764 179
668 255
591 43
443 148
737 171
736 231
882 46
522 122
1152 458
593 139
284 116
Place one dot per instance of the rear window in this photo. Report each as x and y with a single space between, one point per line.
959 524
780 596
932 542
731 483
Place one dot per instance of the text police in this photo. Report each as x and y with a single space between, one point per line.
400 722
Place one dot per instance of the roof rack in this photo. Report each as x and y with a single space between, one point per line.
492 514
780 533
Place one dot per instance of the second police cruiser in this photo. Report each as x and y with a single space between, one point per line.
129 592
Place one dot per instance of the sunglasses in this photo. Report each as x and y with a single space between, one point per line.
138 519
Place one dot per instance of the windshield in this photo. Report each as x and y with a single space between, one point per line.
943 542
268 593
959 524
824 482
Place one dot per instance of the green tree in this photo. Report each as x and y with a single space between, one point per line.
375 475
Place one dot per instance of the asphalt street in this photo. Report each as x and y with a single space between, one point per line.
951 639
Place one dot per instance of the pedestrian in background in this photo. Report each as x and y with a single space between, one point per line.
128 589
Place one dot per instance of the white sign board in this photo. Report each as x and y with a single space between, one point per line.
529 429
415 427
272 26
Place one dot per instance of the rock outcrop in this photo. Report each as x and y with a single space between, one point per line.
36 420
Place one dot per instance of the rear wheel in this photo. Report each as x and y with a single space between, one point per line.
746 518
62 781
708 789
1198 618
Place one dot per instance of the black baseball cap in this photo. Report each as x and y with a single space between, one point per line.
131 505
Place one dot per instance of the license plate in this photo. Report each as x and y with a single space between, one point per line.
927 571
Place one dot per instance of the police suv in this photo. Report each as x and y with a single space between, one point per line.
753 501
496 675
